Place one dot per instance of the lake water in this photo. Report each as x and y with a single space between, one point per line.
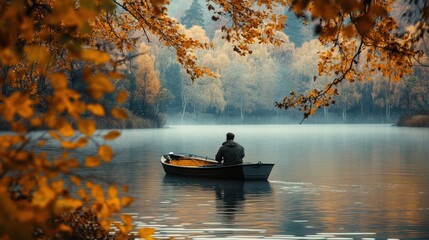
329 182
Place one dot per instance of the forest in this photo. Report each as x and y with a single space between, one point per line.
246 87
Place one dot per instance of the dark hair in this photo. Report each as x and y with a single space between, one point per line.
230 136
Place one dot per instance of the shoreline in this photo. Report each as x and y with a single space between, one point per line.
415 120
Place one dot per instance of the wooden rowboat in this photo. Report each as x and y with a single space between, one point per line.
196 166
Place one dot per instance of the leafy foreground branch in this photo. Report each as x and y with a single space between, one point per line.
78 224
362 38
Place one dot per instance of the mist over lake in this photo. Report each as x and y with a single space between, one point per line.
353 181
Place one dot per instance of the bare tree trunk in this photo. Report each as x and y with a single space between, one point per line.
184 104
344 112
241 109
387 109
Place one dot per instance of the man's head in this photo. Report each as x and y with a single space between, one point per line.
230 136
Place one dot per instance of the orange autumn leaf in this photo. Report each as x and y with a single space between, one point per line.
65 228
98 85
36 122
121 96
17 104
58 186
65 204
96 56
105 153
119 114
126 201
112 135
58 81
64 128
43 196
127 219
81 142
96 109
37 54
112 192
146 233
75 180
86 126
92 161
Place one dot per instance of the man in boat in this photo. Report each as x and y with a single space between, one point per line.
231 153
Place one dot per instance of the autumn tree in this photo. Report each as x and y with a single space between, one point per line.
349 97
193 15
386 94
41 42
356 33
148 84
414 96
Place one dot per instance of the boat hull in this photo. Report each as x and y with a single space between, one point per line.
246 171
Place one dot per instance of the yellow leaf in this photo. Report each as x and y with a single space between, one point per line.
58 81
17 103
98 85
111 135
86 126
81 142
75 180
67 204
36 122
64 128
96 56
97 192
81 193
127 219
112 192
126 201
68 144
146 232
58 186
65 228
37 54
91 161
96 109
119 113
105 152
121 97
43 196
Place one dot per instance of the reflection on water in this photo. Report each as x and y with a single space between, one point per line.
230 196
344 181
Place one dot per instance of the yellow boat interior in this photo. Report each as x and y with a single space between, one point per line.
189 162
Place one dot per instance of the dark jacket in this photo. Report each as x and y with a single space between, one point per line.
231 153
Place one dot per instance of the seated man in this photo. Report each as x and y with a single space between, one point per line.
231 153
